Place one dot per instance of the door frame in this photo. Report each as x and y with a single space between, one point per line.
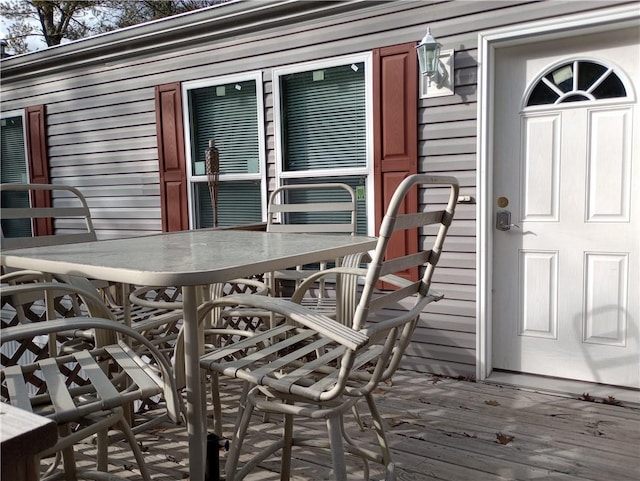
488 42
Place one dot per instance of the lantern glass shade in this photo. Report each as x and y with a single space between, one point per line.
428 54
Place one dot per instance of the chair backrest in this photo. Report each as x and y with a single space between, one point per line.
319 358
312 208
389 317
71 208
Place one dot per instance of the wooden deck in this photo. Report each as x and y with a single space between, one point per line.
444 429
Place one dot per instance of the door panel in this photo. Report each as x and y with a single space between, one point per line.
566 271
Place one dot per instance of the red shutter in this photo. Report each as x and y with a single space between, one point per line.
36 128
395 97
171 155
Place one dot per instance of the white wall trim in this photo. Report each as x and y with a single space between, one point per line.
488 42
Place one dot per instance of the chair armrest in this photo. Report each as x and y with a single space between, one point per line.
323 325
333 272
22 276
374 329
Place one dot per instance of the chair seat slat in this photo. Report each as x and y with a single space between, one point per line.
107 393
313 368
243 344
361 359
61 399
17 388
282 361
256 356
146 385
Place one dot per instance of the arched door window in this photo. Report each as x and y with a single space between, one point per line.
576 81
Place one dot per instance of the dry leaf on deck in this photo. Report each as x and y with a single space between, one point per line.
504 438
611 400
492 402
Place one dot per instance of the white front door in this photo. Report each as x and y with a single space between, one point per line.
567 170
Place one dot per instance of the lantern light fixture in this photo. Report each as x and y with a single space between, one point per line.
436 67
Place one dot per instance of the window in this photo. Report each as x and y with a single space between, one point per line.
228 112
14 170
576 81
322 112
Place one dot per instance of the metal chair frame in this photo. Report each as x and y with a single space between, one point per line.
316 367
89 388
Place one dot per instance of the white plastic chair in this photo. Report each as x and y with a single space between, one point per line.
86 391
315 367
69 219
323 208
72 213
220 327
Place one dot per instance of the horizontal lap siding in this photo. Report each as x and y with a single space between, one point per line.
102 132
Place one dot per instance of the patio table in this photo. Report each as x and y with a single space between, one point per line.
22 436
187 259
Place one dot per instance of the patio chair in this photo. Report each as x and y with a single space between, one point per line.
324 208
85 391
70 221
315 367
221 327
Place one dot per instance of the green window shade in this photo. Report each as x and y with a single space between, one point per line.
239 203
227 114
324 118
356 183
14 170
14 164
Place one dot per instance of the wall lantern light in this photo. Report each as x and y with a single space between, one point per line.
436 68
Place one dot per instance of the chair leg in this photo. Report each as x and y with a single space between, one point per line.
237 440
334 428
102 445
217 408
137 452
287 438
68 456
382 439
242 402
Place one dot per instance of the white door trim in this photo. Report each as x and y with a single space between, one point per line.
488 42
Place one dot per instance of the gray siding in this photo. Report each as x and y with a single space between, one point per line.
102 132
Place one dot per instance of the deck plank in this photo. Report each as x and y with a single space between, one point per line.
438 429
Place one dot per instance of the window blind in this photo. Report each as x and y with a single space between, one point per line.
238 203
228 115
324 118
14 170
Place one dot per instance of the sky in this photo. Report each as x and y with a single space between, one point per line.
35 43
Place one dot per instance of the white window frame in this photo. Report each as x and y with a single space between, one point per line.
261 175
21 113
367 170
